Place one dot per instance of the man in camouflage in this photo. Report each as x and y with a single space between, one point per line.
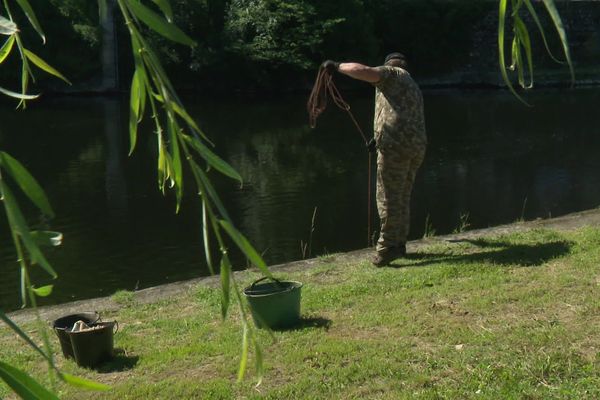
400 140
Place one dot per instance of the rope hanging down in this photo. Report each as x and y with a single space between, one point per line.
317 103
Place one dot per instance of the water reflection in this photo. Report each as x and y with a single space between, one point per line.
288 171
489 157
116 185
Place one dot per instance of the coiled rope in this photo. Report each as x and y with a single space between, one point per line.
317 103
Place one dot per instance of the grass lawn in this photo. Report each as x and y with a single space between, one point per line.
508 317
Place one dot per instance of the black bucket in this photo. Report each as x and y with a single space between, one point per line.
64 324
94 346
88 347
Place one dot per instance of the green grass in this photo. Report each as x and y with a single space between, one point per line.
510 317
124 297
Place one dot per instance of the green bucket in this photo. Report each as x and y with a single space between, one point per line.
275 304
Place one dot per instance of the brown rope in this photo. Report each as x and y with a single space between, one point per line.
317 103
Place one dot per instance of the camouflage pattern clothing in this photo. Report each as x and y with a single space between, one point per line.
399 129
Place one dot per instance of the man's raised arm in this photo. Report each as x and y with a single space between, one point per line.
354 70
360 72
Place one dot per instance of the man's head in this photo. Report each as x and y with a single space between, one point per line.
395 60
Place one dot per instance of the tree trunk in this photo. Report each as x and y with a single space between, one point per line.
110 71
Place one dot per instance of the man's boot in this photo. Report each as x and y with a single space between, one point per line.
388 255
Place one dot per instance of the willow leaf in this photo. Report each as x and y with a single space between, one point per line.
26 7
135 95
26 182
18 95
244 245
143 93
6 48
162 168
212 159
7 27
177 167
23 286
525 41
551 7
159 76
225 283
43 291
165 7
158 24
18 224
180 110
501 57
519 62
244 359
137 50
516 6
83 383
169 169
24 385
259 364
206 236
25 73
37 61
535 17
140 69
514 54
208 189
47 238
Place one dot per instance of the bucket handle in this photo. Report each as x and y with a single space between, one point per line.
277 281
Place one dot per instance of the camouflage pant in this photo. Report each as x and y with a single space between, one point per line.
396 172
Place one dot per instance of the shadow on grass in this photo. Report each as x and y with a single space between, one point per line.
307 323
120 362
495 252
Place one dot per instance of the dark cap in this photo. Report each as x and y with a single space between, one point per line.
394 56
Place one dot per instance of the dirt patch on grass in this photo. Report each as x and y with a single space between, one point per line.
199 371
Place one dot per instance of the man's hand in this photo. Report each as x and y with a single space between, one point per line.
371 145
331 66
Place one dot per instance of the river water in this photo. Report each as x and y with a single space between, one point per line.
491 160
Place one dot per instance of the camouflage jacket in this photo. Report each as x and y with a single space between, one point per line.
399 116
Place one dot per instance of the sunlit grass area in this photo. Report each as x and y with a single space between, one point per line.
508 317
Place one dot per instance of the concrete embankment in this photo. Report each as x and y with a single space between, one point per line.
149 295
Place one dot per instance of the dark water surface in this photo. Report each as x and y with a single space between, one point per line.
491 160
